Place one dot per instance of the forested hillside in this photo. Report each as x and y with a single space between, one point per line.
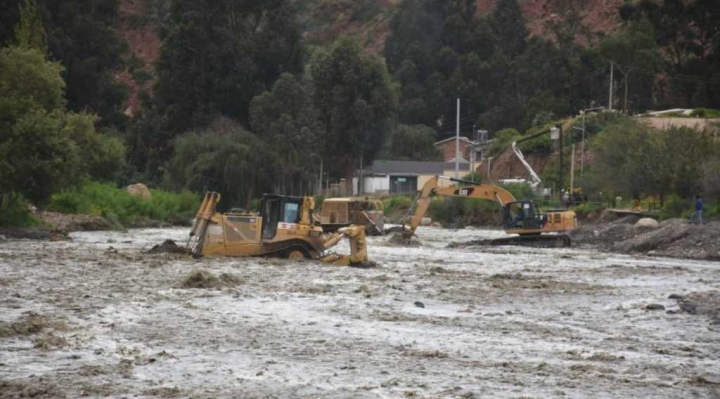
251 97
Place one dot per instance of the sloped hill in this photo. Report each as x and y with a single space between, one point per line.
324 21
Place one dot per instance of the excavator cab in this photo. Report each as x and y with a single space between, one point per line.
522 215
276 209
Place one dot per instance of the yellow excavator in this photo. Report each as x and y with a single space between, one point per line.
520 218
283 228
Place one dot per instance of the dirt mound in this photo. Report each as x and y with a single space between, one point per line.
203 279
399 240
69 223
30 323
167 247
674 238
629 219
33 389
27 234
703 303
468 244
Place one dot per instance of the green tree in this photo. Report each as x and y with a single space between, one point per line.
634 49
410 52
286 122
508 24
219 54
37 156
103 156
631 158
29 31
356 103
223 158
83 35
414 143
502 141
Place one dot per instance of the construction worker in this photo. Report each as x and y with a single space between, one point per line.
566 199
697 215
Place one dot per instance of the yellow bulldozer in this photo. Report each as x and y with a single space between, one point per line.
522 219
283 227
342 212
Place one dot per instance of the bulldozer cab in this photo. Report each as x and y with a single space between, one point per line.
279 210
522 215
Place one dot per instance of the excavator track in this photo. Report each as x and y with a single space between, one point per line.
535 241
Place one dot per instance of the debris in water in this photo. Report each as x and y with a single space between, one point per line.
49 340
654 306
30 323
704 303
203 279
419 304
365 265
400 240
167 247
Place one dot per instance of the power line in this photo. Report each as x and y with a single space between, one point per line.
690 78
514 104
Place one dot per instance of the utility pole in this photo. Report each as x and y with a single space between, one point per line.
560 169
488 167
612 73
572 168
320 180
457 141
472 153
582 145
582 148
361 184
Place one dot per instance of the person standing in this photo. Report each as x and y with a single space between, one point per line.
697 215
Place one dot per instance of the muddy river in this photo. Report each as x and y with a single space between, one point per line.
96 317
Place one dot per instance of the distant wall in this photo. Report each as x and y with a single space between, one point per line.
694 123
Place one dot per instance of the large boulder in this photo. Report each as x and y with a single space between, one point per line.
646 224
139 190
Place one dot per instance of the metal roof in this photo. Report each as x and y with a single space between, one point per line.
409 168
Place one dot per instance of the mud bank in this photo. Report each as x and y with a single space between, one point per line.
674 238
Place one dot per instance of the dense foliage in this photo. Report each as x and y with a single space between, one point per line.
240 103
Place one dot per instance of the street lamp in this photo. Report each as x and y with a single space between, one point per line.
582 145
556 134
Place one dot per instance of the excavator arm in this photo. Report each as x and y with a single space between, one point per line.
201 222
469 190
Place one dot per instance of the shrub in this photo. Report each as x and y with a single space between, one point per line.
397 203
705 113
521 191
16 213
107 200
675 206
502 141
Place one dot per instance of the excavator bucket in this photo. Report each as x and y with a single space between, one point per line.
358 247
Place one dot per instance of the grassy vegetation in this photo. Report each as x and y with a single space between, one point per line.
397 203
118 205
16 213
705 113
